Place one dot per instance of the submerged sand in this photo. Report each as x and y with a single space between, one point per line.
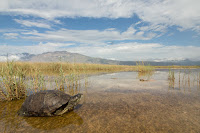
120 102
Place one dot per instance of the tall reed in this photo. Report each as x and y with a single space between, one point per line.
17 83
12 82
171 78
141 67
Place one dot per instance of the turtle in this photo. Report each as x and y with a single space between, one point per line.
48 103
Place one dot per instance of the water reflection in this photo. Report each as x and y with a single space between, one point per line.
119 102
184 79
145 76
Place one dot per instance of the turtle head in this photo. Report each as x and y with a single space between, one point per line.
74 100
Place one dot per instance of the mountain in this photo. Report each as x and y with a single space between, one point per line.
26 56
65 56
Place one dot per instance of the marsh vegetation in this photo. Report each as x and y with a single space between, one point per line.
183 79
19 79
144 68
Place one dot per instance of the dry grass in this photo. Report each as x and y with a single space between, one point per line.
176 67
30 67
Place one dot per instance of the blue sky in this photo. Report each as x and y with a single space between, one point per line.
112 29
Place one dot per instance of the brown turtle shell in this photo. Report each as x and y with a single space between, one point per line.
44 103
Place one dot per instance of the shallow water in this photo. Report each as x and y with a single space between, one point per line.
121 102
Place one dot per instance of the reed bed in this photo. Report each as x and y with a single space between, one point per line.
54 67
19 79
13 82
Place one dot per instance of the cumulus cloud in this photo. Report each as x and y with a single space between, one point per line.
182 13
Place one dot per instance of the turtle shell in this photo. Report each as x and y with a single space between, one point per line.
44 103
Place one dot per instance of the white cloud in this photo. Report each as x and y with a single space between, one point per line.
122 51
29 23
11 30
34 49
182 13
157 15
10 58
154 27
139 51
88 36
11 35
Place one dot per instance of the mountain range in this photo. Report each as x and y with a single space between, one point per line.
64 56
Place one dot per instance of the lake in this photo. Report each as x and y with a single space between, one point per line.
159 101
